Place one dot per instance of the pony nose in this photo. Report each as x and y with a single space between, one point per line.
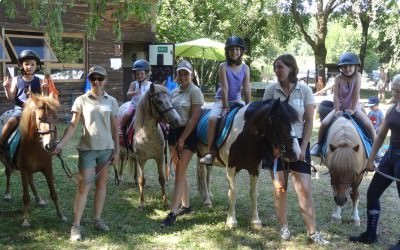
50 146
340 201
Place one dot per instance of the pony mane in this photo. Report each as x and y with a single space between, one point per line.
27 122
344 137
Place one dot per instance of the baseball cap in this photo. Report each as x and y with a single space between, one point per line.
185 65
97 70
372 101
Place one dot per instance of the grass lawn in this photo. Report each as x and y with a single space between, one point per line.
202 229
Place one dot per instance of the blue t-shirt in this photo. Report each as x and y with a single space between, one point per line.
376 117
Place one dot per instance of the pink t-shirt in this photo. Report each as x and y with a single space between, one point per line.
346 87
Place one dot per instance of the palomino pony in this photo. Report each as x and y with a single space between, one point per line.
256 126
148 140
38 137
345 158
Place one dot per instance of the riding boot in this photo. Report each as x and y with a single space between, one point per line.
372 222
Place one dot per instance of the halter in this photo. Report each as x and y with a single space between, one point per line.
159 111
281 139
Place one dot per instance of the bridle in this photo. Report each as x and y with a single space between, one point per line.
280 141
52 126
161 112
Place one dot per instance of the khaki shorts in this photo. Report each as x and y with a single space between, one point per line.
93 158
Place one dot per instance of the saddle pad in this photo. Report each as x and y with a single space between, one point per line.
364 138
13 143
202 127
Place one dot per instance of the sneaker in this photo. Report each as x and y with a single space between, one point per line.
315 150
208 159
100 225
169 221
76 233
285 233
183 210
318 239
363 238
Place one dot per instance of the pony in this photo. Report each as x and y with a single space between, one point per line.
38 131
257 129
345 158
148 139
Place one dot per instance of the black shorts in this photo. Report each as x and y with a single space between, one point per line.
298 166
190 142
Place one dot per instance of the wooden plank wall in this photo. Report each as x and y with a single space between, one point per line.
98 51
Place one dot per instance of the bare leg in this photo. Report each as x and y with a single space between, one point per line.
10 125
212 126
101 190
85 174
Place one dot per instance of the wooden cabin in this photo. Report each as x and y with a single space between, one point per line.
69 72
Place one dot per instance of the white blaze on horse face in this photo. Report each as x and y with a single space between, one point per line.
296 146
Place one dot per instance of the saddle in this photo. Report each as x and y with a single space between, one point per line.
367 142
223 128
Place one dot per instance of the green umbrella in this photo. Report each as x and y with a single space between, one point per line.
202 48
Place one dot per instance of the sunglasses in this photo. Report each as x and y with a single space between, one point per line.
98 78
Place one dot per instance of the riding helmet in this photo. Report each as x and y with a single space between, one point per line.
349 58
234 41
27 55
141 64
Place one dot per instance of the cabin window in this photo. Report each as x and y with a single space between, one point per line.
39 44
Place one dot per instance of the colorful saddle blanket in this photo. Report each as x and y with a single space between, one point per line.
224 128
367 142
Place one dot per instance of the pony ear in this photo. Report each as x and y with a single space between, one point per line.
332 147
356 148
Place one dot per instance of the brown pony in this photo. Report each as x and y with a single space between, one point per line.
38 136
345 158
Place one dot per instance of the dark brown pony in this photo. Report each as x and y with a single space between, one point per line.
38 136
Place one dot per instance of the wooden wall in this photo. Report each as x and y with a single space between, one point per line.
98 51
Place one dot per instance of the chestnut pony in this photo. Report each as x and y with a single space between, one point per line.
38 136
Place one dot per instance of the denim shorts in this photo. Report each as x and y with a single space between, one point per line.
93 158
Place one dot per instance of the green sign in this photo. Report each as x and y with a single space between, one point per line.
163 49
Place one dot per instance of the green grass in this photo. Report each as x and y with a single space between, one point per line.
203 229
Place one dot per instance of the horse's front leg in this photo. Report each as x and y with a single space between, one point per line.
337 214
161 180
203 184
354 197
231 221
142 182
48 173
7 194
39 201
25 198
255 220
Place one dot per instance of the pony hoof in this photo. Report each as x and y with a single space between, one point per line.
41 203
63 218
26 224
336 220
256 225
7 197
207 204
141 208
356 223
230 223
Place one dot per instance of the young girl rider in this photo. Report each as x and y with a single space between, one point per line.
137 88
20 88
233 75
346 98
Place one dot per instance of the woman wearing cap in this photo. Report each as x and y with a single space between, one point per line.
96 150
187 100
233 76
346 97
137 88
389 166
19 88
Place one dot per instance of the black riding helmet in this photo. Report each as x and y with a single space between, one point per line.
28 55
141 64
234 41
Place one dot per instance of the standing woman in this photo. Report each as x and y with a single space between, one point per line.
98 147
187 100
302 100
389 165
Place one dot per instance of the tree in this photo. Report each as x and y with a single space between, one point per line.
316 41
49 13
